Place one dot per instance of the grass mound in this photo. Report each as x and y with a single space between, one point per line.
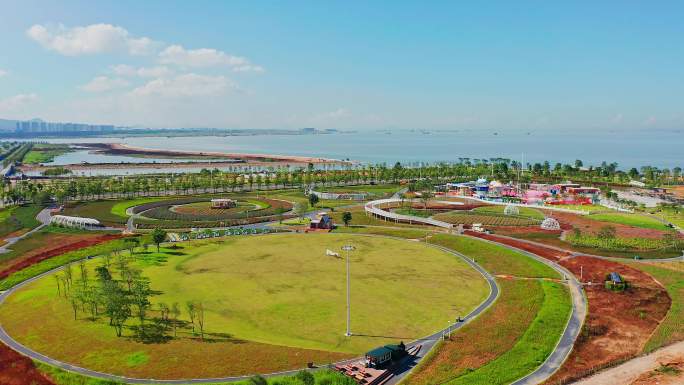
276 301
525 212
487 219
635 220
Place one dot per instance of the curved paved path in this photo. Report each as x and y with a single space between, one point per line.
426 342
572 329
43 217
579 301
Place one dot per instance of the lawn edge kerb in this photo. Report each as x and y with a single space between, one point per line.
488 301
539 322
585 309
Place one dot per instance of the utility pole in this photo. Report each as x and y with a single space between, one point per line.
348 248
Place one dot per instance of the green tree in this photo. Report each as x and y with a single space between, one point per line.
140 298
313 199
425 197
131 243
346 218
117 306
305 377
300 209
175 312
280 214
158 236
199 306
192 312
258 380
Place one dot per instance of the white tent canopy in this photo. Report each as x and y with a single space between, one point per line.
77 222
511 210
550 224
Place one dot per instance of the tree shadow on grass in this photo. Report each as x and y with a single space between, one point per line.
222 337
176 253
150 333
380 336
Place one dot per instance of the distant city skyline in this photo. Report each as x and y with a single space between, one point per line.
540 66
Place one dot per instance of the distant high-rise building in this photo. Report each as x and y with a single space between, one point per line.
38 126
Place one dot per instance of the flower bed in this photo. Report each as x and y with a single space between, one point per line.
163 211
620 243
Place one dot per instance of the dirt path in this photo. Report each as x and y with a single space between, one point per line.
639 368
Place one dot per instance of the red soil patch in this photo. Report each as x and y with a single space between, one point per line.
618 324
16 369
52 252
569 221
678 191
533 230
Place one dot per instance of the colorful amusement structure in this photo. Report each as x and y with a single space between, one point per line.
566 193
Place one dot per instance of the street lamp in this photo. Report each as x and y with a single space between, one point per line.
348 248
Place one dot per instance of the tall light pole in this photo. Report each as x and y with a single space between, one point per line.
348 248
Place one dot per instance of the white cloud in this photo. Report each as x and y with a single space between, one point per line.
338 113
205 57
331 116
185 85
16 102
3 73
143 72
104 84
91 39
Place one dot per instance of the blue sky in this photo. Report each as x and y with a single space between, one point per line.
539 65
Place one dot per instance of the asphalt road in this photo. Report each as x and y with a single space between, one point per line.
572 329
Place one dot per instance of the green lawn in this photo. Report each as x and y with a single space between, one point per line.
494 258
60 260
100 210
585 208
671 329
636 220
415 212
359 217
47 236
44 153
526 212
674 217
398 232
17 218
491 335
320 377
298 196
119 208
276 296
534 345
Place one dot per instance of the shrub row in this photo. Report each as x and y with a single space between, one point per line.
619 243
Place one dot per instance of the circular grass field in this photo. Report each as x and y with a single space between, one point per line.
272 303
